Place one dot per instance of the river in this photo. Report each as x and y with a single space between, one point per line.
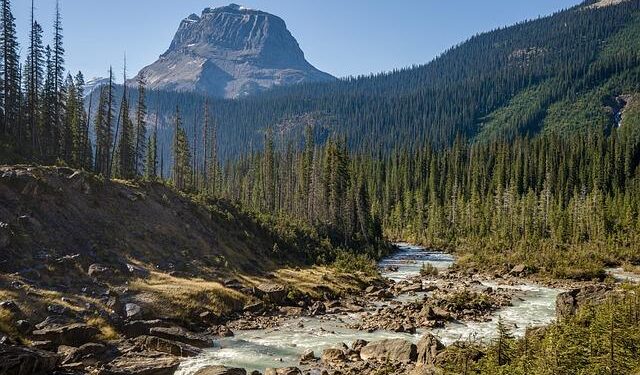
282 346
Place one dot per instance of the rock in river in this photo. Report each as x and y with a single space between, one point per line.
393 350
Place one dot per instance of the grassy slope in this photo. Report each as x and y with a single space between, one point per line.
58 222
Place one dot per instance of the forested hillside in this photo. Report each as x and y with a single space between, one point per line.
559 74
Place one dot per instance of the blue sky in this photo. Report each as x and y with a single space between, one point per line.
342 37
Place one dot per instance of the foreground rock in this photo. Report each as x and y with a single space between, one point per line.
167 346
181 335
221 370
392 350
73 334
142 364
25 361
283 371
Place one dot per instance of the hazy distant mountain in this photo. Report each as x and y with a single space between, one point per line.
231 52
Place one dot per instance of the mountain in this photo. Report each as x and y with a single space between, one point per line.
231 52
530 78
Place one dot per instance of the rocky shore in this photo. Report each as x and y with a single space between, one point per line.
127 338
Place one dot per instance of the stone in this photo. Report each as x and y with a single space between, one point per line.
26 361
57 309
181 335
141 327
163 345
24 327
308 356
220 370
428 348
393 350
283 371
73 334
99 271
518 270
359 344
88 352
333 355
142 364
274 293
136 271
132 310
224 331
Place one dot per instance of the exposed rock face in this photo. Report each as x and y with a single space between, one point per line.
142 364
393 350
231 52
24 361
181 335
568 303
176 348
428 348
73 334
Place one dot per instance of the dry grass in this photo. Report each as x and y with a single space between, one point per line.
315 281
181 298
107 332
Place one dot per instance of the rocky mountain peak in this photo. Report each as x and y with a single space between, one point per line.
231 51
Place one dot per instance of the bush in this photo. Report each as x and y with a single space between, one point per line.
428 269
348 262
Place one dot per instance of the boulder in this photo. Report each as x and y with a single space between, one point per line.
11 306
224 331
518 270
307 357
333 355
26 361
132 311
428 348
359 344
75 334
569 302
141 327
181 335
163 345
283 371
142 364
24 327
91 352
220 370
99 271
393 350
274 293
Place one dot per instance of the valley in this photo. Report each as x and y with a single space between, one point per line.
233 210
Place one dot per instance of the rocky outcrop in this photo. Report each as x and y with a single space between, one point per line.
26 361
568 303
393 350
181 335
231 52
73 334
176 348
428 348
274 293
142 364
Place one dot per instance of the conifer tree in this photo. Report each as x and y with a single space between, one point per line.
151 168
33 78
10 75
181 156
141 126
